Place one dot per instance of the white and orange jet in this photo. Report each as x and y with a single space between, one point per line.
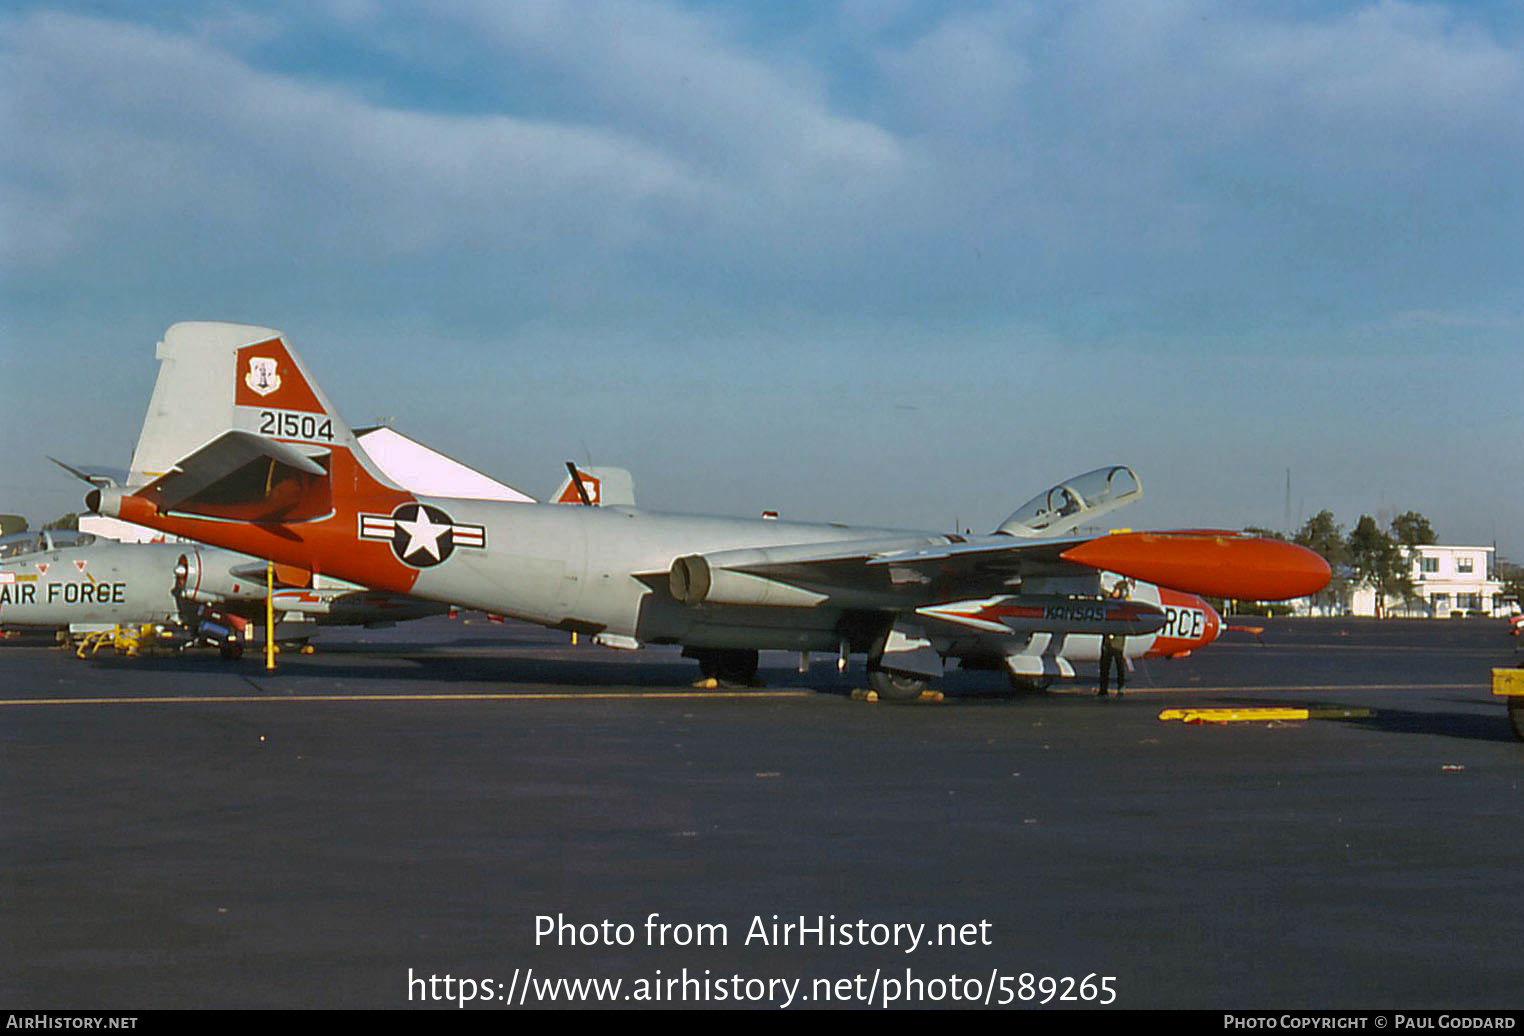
245 452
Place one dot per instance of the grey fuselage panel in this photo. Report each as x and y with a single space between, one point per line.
604 569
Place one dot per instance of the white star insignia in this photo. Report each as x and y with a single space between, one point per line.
422 533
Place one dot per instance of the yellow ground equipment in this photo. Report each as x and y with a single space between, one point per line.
1509 684
1262 715
129 640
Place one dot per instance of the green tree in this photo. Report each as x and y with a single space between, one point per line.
1412 529
1325 537
1379 561
1512 578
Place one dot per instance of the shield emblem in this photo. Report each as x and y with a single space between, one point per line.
263 377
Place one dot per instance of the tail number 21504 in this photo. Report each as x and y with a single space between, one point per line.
290 425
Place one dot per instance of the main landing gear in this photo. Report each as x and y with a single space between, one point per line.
725 668
893 685
1030 684
890 684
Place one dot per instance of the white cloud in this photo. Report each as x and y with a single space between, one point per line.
116 128
1004 158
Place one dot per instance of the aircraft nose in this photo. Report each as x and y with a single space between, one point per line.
1213 625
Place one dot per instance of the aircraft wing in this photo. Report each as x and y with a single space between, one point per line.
1215 563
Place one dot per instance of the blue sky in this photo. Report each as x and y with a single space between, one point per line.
887 261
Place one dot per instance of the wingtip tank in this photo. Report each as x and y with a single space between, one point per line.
1211 563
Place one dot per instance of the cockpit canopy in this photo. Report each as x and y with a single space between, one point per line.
1074 502
20 544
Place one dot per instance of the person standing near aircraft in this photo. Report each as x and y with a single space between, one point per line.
1114 648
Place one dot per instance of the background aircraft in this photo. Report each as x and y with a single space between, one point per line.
62 579
600 487
248 454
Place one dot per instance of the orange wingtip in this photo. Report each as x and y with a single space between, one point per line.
1215 564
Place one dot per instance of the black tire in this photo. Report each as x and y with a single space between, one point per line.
892 685
737 668
1030 684
231 649
1516 716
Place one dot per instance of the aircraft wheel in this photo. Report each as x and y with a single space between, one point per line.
1516 716
896 686
736 667
231 650
1030 684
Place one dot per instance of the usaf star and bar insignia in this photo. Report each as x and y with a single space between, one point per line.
421 536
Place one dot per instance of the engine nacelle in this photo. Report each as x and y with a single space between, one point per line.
195 580
694 581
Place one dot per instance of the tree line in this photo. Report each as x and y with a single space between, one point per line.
1376 557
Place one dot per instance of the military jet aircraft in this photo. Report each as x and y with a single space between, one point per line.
252 456
63 579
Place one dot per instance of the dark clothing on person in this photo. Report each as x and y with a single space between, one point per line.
1113 648
1112 652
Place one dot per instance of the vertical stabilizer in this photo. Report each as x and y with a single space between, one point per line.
214 377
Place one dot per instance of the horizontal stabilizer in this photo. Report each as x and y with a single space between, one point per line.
224 455
242 475
96 475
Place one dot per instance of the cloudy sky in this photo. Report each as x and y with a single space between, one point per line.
884 261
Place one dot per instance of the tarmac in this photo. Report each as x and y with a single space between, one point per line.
178 831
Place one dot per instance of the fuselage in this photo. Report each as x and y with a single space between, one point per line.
605 570
102 583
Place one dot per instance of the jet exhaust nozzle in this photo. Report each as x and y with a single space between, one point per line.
105 500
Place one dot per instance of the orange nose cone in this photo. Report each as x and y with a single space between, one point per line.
1216 564
1213 625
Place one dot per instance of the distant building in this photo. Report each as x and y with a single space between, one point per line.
1449 582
